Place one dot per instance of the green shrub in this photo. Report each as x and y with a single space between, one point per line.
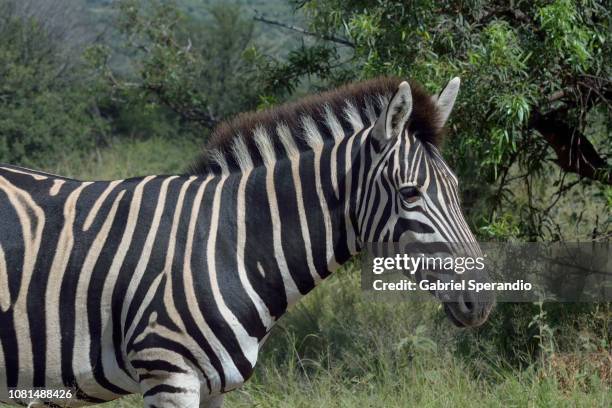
43 109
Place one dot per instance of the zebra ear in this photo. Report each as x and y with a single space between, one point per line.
393 117
446 100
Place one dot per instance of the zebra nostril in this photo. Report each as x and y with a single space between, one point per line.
466 306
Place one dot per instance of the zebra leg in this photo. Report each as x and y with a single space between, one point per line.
213 402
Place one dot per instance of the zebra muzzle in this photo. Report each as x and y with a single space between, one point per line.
470 309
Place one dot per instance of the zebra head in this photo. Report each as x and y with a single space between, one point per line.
410 195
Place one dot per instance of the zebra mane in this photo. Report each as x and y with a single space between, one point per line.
255 138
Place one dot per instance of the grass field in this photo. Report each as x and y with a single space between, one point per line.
340 349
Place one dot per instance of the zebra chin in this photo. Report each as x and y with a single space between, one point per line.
470 309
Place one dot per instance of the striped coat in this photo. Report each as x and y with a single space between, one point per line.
168 285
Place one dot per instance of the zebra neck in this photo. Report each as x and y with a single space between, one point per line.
291 227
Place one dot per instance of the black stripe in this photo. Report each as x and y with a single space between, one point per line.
153 341
96 286
8 338
234 294
204 294
11 240
291 236
160 365
158 389
136 246
259 245
36 294
313 213
337 206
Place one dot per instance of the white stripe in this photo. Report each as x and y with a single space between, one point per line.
352 115
332 122
61 257
284 135
81 364
232 374
262 309
5 294
338 133
241 154
315 137
35 176
219 158
295 171
370 111
249 345
351 234
96 207
265 146
291 290
55 188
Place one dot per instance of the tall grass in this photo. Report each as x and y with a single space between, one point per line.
339 348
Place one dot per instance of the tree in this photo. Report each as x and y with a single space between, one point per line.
196 69
44 106
531 128
536 88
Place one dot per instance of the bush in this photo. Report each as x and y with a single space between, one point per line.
43 110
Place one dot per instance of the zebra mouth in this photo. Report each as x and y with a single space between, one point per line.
451 316
467 313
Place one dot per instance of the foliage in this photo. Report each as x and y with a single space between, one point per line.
535 85
44 107
127 157
339 348
535 77
185 70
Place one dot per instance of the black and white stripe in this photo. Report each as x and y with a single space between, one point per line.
168 285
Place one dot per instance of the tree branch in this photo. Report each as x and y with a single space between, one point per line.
575 153
205 118
555 96
501 11
300 30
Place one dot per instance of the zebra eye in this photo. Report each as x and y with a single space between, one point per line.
410 194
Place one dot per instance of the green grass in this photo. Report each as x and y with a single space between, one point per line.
125 158
339 348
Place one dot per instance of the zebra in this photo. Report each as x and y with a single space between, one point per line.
168 286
